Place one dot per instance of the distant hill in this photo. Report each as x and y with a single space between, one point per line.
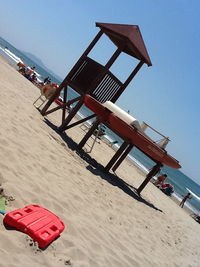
41 64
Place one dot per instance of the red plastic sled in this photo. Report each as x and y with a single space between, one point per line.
39 223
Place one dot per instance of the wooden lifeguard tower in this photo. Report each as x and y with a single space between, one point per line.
90 77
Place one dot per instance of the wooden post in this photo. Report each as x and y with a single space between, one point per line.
131 76
113 58
116 156
71 115
123 156
64 100
64 82
80 121
51 99
152 173
89 133
107 66
64 105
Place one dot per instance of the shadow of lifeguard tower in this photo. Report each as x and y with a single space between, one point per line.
90 77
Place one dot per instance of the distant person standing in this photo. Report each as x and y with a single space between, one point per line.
160 180
188 196
47 80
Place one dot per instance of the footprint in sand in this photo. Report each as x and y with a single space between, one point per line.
33 245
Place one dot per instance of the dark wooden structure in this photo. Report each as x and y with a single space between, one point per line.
88 76
132 137
121 154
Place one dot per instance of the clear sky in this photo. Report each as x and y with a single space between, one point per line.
166 95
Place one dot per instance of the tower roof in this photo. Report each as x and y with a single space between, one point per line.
128 38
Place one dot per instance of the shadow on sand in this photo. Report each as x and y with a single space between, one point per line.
98 169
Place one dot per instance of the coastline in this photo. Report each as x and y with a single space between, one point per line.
106 223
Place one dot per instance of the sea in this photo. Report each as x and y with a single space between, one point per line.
182 183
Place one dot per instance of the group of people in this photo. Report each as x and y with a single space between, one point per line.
46 86
28 72
168 188
164 187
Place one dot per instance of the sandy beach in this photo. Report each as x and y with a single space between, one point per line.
107 224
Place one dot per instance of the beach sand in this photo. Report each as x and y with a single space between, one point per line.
107 224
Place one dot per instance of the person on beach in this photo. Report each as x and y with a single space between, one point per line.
29 72
33 78
188 196
167 189
20 65
47 80
160 180
22 70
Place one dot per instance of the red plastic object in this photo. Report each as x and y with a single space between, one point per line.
130 133
102 112
58 101
39 223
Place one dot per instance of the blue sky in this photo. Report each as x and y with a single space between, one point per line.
166 95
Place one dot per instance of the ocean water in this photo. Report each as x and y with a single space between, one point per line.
182 183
